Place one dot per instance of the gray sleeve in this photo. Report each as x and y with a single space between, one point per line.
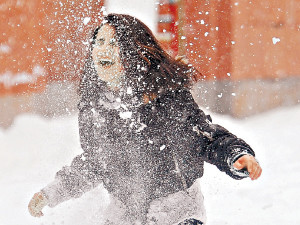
84 174
54 193
85 171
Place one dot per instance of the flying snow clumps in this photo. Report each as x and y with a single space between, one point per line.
125 115
275 40
5 49
162 147
86 20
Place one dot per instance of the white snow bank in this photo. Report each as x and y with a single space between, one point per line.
34 148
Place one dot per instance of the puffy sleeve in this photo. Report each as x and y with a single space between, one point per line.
85 171
212 142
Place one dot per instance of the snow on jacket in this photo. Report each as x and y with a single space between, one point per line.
144 152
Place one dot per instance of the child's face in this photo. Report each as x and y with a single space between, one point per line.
106 57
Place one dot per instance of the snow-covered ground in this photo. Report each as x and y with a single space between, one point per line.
34 148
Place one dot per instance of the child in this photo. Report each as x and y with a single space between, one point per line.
142 134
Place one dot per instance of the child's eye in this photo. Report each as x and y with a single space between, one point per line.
113 42
99 42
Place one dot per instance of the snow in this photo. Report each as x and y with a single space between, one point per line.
5 49
34 148
275 40
9 79
86 20
143 10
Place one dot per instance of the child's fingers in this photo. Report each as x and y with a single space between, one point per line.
31 207
253 172
250 167
39 214
260 172
33 212
256 171
35 205
239 165
256 174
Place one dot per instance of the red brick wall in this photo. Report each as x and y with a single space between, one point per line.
239 39
21 39
201 32
43 40
208 25
256 27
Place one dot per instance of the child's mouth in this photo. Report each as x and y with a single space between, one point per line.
106 62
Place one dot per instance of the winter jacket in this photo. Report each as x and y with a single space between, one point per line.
144 152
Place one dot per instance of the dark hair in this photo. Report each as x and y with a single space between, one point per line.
148 68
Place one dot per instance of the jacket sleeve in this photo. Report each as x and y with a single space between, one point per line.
221 147
214 143
85 171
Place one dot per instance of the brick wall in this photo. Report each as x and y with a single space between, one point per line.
248 52
43 46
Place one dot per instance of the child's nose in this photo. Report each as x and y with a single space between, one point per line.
103 48
107 48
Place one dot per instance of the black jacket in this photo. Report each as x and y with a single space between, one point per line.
146 151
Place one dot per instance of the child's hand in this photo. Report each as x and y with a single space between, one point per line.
248 162
36 204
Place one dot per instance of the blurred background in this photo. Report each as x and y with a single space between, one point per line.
248 52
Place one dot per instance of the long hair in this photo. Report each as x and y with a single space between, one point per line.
148 68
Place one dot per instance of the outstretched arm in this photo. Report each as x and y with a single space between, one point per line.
84 173
214 143
228 152
71 181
